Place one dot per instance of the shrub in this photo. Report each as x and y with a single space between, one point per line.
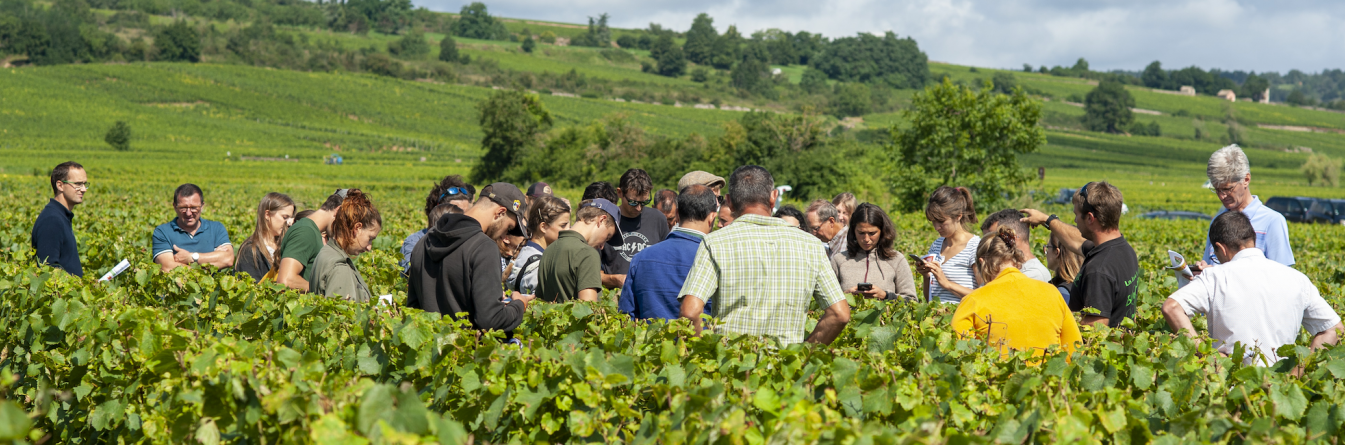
448 51
528 44
547 37
119 136
410 46
700 75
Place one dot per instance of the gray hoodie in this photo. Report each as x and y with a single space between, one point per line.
455 269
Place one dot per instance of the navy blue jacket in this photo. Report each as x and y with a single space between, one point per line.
54 239
656 275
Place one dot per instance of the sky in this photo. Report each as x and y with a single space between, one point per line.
1308 35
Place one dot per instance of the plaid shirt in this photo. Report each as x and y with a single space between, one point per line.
760 273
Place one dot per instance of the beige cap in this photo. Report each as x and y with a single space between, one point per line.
701 178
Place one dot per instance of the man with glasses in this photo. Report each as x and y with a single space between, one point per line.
53 232
823 221
1231 177
1108 281
640 225
189 239
303 241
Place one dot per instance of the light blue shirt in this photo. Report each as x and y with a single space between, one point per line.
1272 233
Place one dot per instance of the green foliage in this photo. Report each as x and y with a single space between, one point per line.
727 49
547 37
511 122
751 75
1322 170
814 81
1254 87
598 35
528 44
119 136
475 22
1298 98
700 75
410 46
897 63
1004 83
1107 108
671 61
178 42
382 65
851 99
627 41
1140 129
448 50
960 137
700 40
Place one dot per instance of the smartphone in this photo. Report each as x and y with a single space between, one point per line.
865 287
917 259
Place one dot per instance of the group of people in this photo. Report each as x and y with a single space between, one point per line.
725 248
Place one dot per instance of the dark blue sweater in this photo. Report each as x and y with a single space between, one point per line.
655 278
54 239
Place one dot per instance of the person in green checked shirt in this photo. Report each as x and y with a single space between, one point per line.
761 273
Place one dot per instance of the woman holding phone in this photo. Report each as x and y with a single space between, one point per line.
947 267
870 267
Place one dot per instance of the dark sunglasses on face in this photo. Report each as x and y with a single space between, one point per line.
634 203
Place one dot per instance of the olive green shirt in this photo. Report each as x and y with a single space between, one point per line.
569 265
302 242
335 275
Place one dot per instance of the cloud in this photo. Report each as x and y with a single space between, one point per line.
1308 35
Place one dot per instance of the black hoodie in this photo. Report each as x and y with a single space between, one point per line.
456 268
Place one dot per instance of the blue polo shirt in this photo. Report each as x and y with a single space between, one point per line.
1272 233
656 275
210 236
54 239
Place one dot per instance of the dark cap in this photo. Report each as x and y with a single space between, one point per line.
508 196
539 189
617 238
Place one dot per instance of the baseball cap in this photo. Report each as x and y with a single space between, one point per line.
699 177
617 238
509 197
539 189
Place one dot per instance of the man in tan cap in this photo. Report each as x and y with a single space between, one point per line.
715 183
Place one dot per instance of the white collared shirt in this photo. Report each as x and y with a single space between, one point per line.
1257 302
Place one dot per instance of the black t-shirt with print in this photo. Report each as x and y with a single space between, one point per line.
640 232
1108 280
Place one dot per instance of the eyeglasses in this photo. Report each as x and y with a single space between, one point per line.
634 203
78 185
188 209
452 191
1224 191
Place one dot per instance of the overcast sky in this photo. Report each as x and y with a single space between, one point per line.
1308 35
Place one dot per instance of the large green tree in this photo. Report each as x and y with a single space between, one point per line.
178 42
671 61
700 40
1255 87
1107 108
1155 77
511 121
475 22
448 50
727 49
958 136
899 63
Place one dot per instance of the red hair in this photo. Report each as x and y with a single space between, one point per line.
355 209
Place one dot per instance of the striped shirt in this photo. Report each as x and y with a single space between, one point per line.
957 269
761 274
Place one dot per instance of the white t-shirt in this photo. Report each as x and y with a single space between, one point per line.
1034 269
1257 302
957 269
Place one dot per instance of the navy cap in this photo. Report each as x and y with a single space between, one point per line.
617 239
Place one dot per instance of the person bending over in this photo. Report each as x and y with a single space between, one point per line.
571 268
354 229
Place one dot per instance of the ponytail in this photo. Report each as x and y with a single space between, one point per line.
969 204
355 209
950 203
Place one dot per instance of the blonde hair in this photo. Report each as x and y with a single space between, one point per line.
254 244
995 249
1068 264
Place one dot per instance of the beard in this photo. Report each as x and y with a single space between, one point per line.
498 228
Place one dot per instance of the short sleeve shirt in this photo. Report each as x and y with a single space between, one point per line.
1258 302
208 237
1272 233
568 266
637 233
302 243
957 269
761 274
1108 280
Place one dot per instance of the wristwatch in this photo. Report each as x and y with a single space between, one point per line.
1049 219
195 257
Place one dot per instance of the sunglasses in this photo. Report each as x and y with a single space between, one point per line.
635 203
1083 192
451 192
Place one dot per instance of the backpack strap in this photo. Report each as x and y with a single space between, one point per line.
518 281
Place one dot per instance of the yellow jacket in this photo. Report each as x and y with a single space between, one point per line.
1016 312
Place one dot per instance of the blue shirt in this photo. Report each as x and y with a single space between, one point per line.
209 236
408 247
54 239
656 274
1272 233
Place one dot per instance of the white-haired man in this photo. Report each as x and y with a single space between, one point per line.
1231 177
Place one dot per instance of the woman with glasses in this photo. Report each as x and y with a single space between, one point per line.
275 214
947 267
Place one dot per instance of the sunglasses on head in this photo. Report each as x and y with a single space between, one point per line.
1083 192
451 191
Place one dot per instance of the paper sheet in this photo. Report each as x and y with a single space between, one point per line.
117 270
